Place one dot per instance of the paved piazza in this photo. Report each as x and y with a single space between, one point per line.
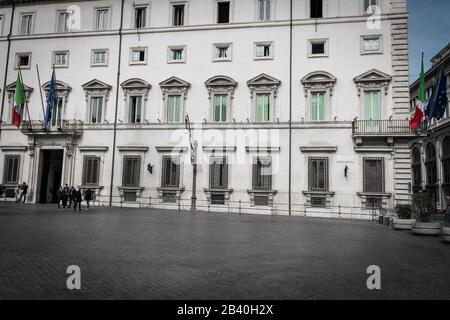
155 254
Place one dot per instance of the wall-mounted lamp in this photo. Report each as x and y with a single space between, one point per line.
150 168
346 171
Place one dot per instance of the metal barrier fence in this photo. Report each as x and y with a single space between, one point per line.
247 207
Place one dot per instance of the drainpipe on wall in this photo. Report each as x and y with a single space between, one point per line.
290 110
117 105
6 66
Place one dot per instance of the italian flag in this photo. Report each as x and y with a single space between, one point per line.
422 104
19 101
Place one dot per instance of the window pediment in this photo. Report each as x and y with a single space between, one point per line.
174 85
135 86
220 84
264 82
60 86
372 79
11 89
96 87
319 80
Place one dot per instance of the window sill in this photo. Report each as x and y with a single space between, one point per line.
374 194
91 187
218 190
259 191
319 193
167 189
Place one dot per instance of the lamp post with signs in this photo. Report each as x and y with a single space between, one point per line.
193 148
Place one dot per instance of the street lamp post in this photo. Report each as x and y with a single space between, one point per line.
193 147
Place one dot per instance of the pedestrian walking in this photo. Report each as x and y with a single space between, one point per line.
59 196
23 194
88 197
2 191
65 195
71 195
77 200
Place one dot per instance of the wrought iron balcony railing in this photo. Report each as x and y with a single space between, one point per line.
385 127
37 126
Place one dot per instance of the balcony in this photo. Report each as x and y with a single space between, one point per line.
37 127
385 128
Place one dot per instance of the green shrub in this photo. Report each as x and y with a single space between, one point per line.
404 212
423 206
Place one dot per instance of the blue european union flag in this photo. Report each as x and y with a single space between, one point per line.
440 101
51 98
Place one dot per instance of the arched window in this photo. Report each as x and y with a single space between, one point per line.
430 164
446 160
416 170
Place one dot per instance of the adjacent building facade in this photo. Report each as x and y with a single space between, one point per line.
430 152
292 108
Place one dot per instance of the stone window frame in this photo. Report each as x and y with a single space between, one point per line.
7 156
173 152
11 91
264 84
96 10
138 63
221 85
33 22
216 12
174 86
264 43
176 47
62 91
373 80
325 41
134 6
93 52
59 66
93 89
215 46
371 37
16 62
2 23
272 11
319 82
135 87
173 4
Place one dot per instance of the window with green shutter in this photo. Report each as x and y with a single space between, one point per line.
263 107
174 108
262 173
170 172
220 107
218 173
318 106
372 105
91 170
135 115
131 171
318 174
11 170
374 175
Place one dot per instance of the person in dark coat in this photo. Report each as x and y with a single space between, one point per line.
59 196
88 197
24 188
65 195
77 200
71 195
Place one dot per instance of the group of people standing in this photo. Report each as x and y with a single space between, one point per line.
68 196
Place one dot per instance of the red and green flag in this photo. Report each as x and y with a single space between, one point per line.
422 102
19 102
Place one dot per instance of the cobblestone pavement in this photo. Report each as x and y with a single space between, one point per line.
156 254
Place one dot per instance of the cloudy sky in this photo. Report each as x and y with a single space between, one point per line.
429 31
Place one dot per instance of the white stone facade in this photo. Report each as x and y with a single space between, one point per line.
227 60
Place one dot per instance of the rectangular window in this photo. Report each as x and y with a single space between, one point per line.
373 175
263 51
135 112
26 23
102 19
61 59
264 10
262 174
176 54
140 17
318 202
174 108
316 8
220 107
318 106
91 166
218 198
318 174
218 173
63 18
370 6
222 52
96 111
262 107
371 44
138 56
23 60
178 15
131 171
318 48
57 113
170 172
223 12
372 105
99 57
11 170
1 24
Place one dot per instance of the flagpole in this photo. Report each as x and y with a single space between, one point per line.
40 90
26 103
